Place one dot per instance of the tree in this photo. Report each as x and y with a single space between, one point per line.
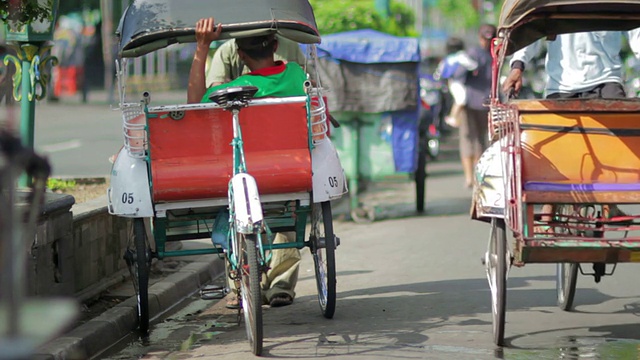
25 11
460 12
334 16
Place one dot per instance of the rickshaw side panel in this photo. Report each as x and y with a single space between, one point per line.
580 148
191 156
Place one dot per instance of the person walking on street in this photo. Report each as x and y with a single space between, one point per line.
473 127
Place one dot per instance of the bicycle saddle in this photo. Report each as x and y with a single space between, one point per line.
233 96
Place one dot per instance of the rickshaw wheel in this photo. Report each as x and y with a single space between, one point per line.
323 245
420 179
566 273
139 265
566 278
250 291
496 266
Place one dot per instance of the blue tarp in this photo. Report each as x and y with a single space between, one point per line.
404 140
369 46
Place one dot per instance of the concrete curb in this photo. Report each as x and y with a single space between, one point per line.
99 333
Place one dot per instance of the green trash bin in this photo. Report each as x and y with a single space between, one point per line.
364 142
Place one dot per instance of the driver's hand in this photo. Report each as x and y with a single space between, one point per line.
207 31
513 81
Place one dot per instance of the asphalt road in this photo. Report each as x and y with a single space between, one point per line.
412 287
79 138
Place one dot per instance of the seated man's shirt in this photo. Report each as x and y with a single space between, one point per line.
281 80
225 64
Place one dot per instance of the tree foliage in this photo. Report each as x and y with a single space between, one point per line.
25 11
334 16
461 12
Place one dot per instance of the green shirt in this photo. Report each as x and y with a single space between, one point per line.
225 65
281 80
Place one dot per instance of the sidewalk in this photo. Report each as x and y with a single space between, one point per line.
172 280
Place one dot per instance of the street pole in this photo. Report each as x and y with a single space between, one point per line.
29 84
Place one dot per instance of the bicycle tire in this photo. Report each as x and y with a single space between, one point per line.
323 251
251 296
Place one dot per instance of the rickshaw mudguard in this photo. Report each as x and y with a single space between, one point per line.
329 180
488 189
246 203
129 194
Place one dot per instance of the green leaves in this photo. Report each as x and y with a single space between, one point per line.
334 16
462 11
25 11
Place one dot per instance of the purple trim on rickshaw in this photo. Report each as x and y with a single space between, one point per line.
545 186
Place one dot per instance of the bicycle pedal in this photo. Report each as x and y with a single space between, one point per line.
212 292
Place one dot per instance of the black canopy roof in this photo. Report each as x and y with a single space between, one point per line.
148 25
526 21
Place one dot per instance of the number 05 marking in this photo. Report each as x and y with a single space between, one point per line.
127 198
333 181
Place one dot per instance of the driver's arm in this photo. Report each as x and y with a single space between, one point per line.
517 63
206 32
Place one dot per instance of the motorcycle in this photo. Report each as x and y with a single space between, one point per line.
435 103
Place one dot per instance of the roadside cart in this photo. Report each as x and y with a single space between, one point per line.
372 89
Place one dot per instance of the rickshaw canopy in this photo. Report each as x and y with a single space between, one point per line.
149 25
522 22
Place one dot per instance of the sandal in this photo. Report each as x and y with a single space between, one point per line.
280 300
232 302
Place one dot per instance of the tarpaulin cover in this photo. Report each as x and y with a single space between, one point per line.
369 71
369 46
369 88
404 140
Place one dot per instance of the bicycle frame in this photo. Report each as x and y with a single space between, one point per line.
245 209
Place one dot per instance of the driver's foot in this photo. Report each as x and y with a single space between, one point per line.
281 300
232 302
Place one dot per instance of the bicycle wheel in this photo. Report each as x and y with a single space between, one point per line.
138 259
251 297
496 266
323 246
421 180
566 273
566 278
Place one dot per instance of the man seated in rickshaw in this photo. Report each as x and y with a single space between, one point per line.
273 78
225 64
583 65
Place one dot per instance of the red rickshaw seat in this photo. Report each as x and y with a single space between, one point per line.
191 156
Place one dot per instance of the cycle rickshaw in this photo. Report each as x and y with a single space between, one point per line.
578 155
239 167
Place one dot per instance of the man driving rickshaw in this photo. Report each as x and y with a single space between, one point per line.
584 65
